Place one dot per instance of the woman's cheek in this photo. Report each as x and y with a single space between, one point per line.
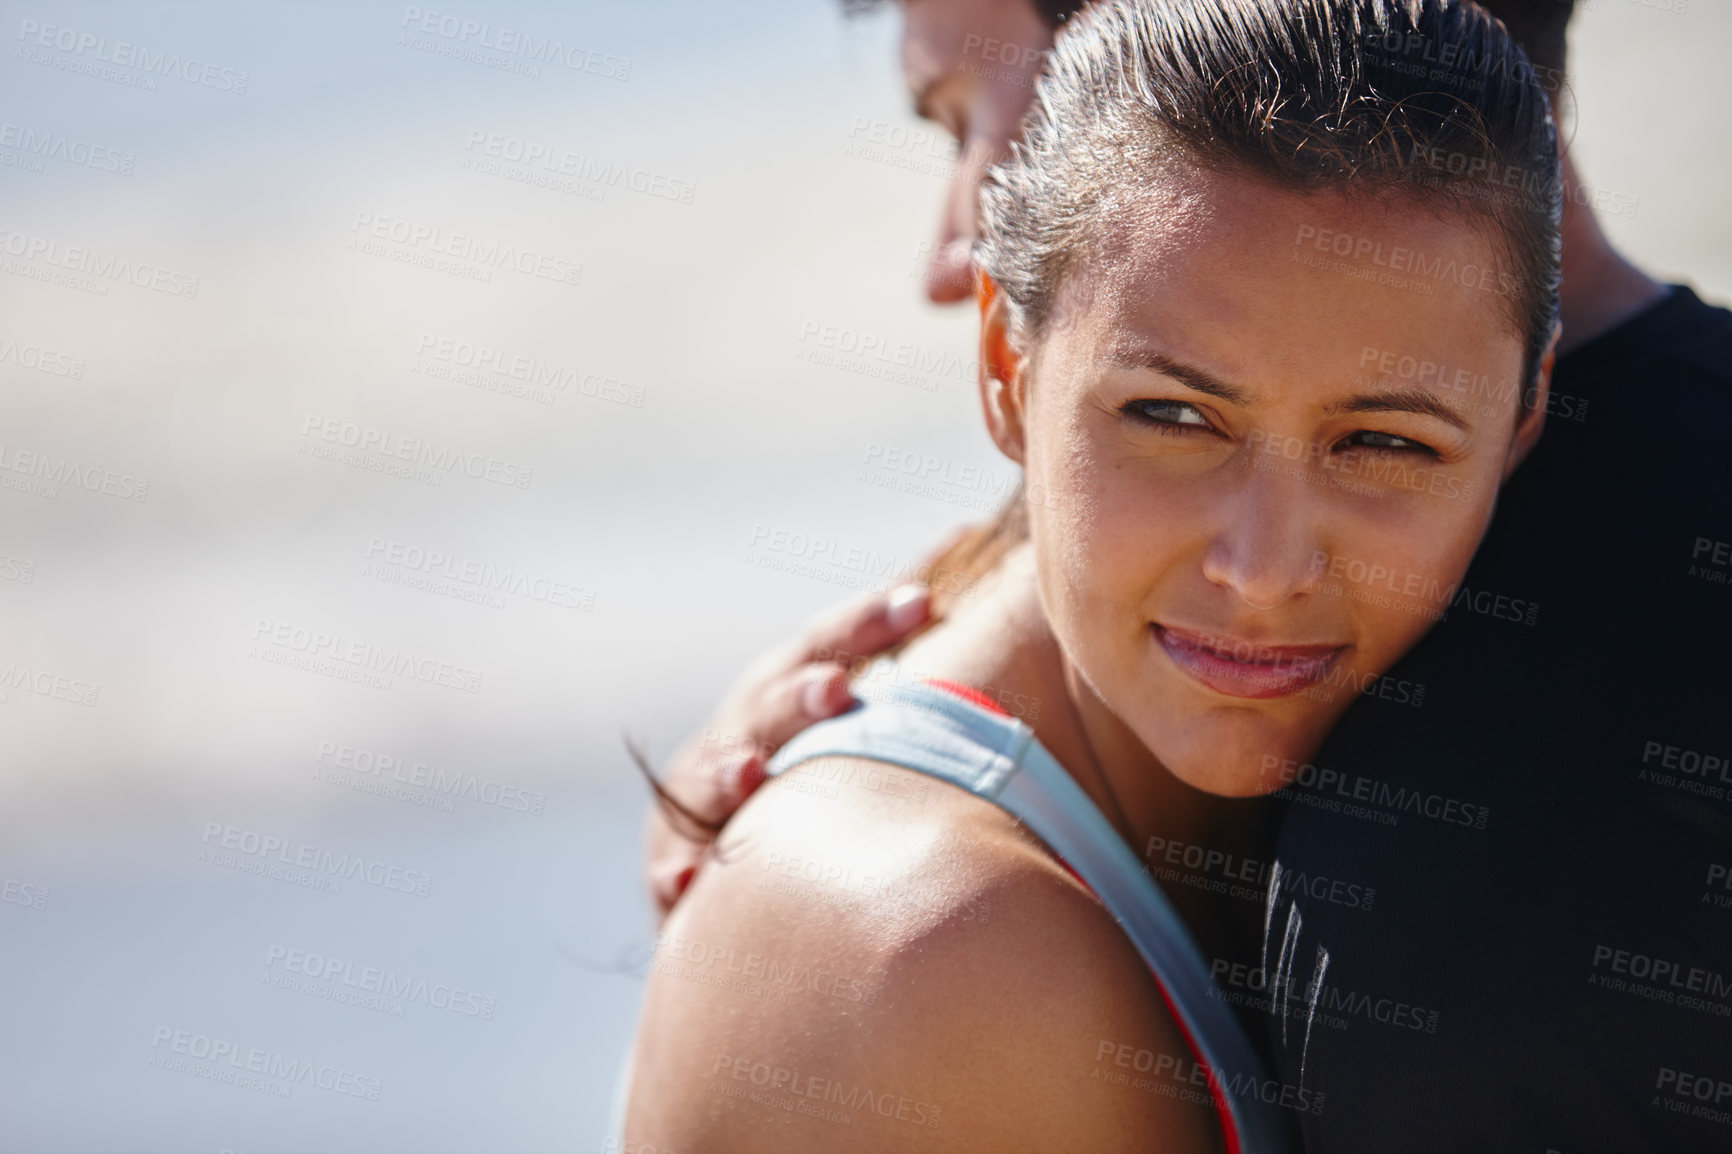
1073 535
1399 589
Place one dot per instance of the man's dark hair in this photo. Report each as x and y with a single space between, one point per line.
1537 25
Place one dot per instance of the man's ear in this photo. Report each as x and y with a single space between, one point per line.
1003 375
1533 421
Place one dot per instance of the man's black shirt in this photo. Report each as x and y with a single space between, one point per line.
1546 961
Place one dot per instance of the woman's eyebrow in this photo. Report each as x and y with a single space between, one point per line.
1401 401
1189 375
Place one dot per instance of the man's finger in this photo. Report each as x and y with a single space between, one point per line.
740 780
715 785
669 879
868 626
809 694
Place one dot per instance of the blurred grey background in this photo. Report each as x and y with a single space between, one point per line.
396 413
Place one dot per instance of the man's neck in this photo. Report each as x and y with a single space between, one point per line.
1601 289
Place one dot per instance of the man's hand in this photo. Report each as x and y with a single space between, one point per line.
780 694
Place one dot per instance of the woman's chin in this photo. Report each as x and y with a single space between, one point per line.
1239 757
1228 781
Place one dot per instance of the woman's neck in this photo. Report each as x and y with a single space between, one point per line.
1151 808
997 640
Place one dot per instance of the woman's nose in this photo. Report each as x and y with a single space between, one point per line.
1265 548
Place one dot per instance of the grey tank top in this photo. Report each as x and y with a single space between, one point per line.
938 732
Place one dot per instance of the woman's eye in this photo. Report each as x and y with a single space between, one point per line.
1388 442
1166 414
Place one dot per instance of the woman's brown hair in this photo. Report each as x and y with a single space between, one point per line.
1426 100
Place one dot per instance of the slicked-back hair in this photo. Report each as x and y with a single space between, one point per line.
1054 12
1539 26
1357 96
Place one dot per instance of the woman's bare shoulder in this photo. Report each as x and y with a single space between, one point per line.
879 961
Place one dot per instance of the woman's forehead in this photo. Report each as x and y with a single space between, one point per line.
1241 265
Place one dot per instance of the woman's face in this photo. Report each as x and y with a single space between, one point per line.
1262 439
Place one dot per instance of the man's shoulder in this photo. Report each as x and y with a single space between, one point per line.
1700 335
1684 338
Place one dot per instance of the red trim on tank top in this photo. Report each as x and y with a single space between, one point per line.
967 693
1229 1132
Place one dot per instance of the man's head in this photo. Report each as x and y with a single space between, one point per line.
971 66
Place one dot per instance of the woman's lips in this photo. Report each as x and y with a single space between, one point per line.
1242 669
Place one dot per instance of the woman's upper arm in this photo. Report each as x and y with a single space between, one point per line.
1041 1030
841 984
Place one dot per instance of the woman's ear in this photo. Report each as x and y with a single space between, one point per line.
1533 420
1003 377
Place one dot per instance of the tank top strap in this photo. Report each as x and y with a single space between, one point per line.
995 757
922 728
